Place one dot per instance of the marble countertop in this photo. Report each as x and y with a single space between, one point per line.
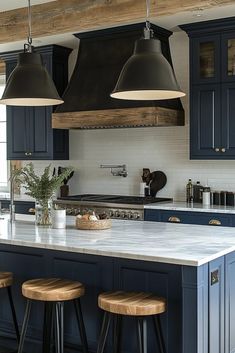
182 244
195 207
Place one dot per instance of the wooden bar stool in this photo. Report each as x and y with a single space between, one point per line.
137 304
53 292
6 280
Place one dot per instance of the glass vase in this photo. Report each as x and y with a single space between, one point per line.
43 213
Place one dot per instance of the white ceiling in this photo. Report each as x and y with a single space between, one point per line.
169 22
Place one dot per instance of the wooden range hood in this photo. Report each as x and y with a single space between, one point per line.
88 104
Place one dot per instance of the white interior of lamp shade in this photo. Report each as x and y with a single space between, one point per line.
147 95
31 101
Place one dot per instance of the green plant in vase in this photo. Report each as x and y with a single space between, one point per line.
41 188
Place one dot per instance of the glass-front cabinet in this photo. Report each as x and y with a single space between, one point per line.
228 57
206 63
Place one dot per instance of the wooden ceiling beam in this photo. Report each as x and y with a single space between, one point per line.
64 16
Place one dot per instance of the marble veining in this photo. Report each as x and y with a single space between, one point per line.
182 244
194 207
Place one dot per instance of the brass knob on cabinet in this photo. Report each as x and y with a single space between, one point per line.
214 222
174 219
31 210
28 153
223 149
216 149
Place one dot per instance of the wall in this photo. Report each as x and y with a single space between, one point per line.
165 149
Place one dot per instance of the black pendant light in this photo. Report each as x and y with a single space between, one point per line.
147 75
29 83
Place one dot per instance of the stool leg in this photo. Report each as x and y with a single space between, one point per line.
142 334
13 314
117 333
159 334
104 332
25 325
59 327
47 327
81 326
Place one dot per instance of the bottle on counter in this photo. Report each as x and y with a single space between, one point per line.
189 191
206 196
197 192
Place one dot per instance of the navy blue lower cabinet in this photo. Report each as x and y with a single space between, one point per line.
193 323
22 207
190 217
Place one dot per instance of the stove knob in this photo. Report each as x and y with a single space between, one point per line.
122 214
111 214
136 215
117 214
130 215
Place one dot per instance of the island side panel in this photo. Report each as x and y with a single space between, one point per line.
195 309
230 303
216 306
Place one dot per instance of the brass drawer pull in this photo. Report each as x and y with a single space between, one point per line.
31 210
223 150
28 153
216 149
215 222
174 219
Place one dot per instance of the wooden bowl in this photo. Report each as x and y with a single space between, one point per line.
93 225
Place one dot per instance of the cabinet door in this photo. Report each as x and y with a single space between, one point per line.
40 133
17 139
228 57
205 59
228 121
205 122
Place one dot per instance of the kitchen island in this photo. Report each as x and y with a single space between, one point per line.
192 266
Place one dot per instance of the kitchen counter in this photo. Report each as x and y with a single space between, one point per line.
194 207
182 244
192 266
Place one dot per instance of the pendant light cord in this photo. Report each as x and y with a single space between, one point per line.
148 33
28 46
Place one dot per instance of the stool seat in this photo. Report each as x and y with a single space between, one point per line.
131 303
52 289
6 279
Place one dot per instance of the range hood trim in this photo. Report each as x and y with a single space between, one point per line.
118 118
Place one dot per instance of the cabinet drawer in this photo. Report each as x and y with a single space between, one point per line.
212 219
22 207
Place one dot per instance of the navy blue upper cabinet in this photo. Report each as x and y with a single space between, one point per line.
29 132
212 89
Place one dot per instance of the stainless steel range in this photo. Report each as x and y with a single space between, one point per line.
115 206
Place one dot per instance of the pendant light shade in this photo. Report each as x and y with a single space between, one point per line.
30 84
147 75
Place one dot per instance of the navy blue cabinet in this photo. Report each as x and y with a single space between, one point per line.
212 89
29 131
190 217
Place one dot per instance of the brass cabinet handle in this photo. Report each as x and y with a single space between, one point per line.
28 153
31 210
223 149
216 149
215 222
174 219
